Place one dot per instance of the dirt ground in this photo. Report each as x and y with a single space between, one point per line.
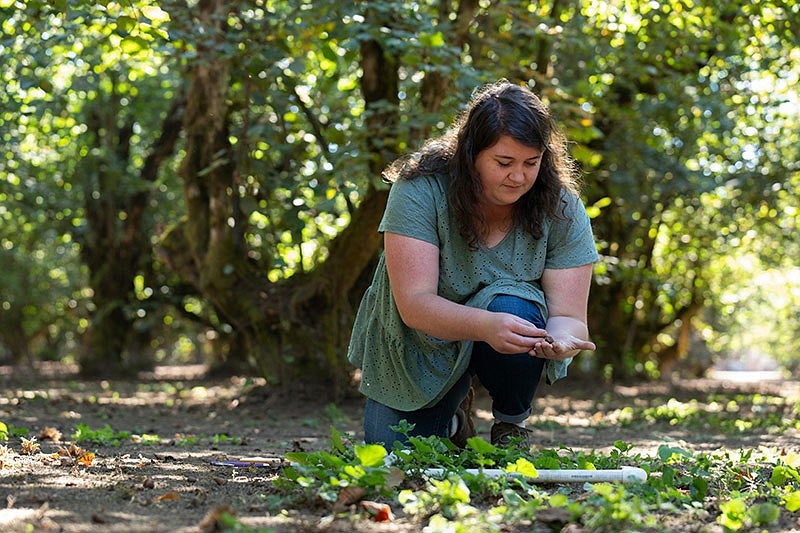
162 479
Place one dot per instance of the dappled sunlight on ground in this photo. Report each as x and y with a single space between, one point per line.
169 426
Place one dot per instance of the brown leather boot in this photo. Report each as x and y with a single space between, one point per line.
466 427
506 433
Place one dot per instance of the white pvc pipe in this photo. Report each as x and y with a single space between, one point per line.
626 474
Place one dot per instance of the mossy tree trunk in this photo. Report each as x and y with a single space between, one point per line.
301 325
114 245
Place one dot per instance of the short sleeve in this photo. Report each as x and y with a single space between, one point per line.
570 240
411 210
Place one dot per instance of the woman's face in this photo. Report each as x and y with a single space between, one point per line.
507 170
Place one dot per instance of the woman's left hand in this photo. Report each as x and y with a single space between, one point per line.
562 347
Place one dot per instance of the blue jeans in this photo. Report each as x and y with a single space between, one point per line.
510 379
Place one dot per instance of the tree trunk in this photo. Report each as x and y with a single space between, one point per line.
300 325
106 262
115 247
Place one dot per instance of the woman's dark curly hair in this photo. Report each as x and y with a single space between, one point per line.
501 108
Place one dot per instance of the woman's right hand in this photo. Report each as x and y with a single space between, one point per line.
510 334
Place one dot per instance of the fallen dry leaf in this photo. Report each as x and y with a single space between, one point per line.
29 446
85 459
49 433
73 451
6 456
169 496
348 496
213 520
75 454
380 512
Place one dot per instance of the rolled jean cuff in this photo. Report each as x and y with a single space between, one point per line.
511 419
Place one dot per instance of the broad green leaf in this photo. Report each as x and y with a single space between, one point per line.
668 453
778 476
371 454
336 440
301 458
155 13
132 45
792 501
125 23
764 514
480 445
733 514
699 488
354 471
524 467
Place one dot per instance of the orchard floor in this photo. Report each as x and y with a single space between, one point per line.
161 479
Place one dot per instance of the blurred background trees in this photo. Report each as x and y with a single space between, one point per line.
200 181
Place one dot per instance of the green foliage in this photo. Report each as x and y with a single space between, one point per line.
737 515
447 497
104 436
107 436
742 490
224 438
73 82
792 501
324 474
683 117
690 192
729 414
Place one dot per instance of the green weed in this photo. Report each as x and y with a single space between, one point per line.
735 490
146 439
104 436
729 414
224 438
325 474
185 440
8 430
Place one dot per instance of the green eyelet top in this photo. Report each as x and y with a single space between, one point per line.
406 369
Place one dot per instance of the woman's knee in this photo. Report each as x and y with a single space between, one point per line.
506 303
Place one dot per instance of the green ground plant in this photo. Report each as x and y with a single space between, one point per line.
107 436
737 490
727 413
8 431
104 436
